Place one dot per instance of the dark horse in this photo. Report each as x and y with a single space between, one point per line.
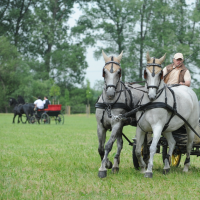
20 107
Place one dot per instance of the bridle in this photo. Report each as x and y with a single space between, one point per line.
153 74
111 71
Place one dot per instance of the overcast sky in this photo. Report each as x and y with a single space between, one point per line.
94 71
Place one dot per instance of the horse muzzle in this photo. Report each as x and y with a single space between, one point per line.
152 94
110 93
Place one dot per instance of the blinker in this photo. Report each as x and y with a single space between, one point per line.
145 74
103 73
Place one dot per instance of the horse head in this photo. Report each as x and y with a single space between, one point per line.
20 100
12 101
153 75
111 74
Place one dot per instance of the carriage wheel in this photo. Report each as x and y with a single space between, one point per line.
176 158
45 119
33 120
59 119
23 119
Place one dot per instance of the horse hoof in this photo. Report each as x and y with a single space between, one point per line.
148 175
115 170
166 171
102 174
109 165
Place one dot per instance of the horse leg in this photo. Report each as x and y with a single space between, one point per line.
157 129
190 140
108 147
27 116
18 118
115 168
101 133
140 135
171 143
14 118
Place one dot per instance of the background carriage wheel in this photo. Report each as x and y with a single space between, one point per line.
33 120
59 119
176 158
23 119
45 119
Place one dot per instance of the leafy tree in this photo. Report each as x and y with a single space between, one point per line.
10 61
109 21
88 91
54 91
15 20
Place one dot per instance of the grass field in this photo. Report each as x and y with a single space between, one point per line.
62 162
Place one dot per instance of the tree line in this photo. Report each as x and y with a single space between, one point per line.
41 55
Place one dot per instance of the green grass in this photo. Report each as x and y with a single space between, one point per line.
62 162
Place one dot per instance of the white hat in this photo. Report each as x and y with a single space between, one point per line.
178 55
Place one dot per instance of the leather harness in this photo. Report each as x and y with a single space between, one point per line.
109 106
148 106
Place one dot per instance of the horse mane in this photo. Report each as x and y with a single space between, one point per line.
20 100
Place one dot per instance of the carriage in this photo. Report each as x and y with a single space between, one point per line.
48 115
180 137
155 107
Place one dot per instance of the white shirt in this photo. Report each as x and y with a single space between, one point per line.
39 104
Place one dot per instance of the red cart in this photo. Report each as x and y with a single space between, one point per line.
48 115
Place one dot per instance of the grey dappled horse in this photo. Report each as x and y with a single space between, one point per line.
114 100
155 119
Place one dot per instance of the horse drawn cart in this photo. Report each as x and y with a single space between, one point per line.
46 116
180 137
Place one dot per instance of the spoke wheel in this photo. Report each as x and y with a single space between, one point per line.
176 157
45 119
23 119
33 120
59 119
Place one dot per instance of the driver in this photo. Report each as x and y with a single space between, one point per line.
177 73
38 104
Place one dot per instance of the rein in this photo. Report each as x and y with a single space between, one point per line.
152 105
109 106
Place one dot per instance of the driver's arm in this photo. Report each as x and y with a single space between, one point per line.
187 79
187 83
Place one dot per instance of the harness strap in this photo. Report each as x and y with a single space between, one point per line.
102 121
108 107
115 106
174 108
152 105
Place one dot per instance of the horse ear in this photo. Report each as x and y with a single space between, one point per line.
105 56
148 57
145 74
161 74
120 56
162 59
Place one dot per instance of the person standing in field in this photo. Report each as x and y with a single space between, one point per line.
177 73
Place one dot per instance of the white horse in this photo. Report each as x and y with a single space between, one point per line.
115 99
154 120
